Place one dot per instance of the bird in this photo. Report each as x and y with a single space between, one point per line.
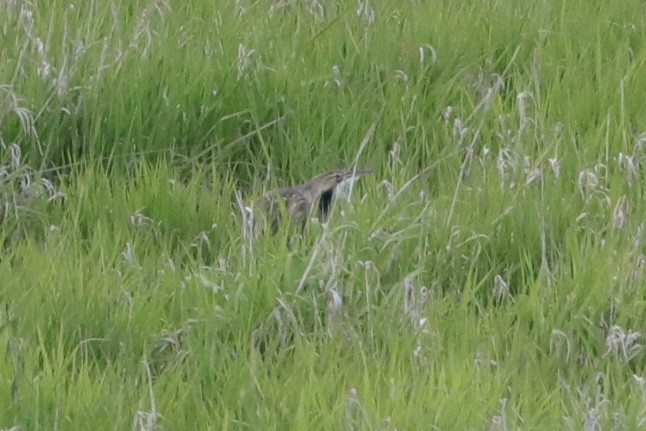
300 202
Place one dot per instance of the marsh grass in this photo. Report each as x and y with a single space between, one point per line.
489 277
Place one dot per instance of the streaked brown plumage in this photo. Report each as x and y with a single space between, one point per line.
300 202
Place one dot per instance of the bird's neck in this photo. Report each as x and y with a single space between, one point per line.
313 189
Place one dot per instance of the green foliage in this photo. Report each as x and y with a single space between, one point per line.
489 276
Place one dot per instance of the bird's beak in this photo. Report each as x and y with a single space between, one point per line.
356 173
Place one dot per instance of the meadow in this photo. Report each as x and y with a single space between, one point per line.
489 275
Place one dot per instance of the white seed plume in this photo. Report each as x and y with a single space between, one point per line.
555 164
129 255
459 129
499 422
501 290
334 302
423 49
139 219
243 62
365 12
640 142
629 165
316 9
401 75
16 156
522 99
620 213
588 182
337 80
506 167
393 154
534 175
623 344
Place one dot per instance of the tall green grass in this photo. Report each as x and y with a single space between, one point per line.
489 276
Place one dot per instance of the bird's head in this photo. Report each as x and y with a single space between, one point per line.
328 182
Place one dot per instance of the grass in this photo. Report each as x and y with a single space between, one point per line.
490 276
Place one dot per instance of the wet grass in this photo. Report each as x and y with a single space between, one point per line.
489 276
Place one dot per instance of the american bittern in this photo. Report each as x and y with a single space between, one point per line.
298 203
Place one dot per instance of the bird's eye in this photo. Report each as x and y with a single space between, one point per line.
339 178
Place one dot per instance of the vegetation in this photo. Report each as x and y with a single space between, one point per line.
489 276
